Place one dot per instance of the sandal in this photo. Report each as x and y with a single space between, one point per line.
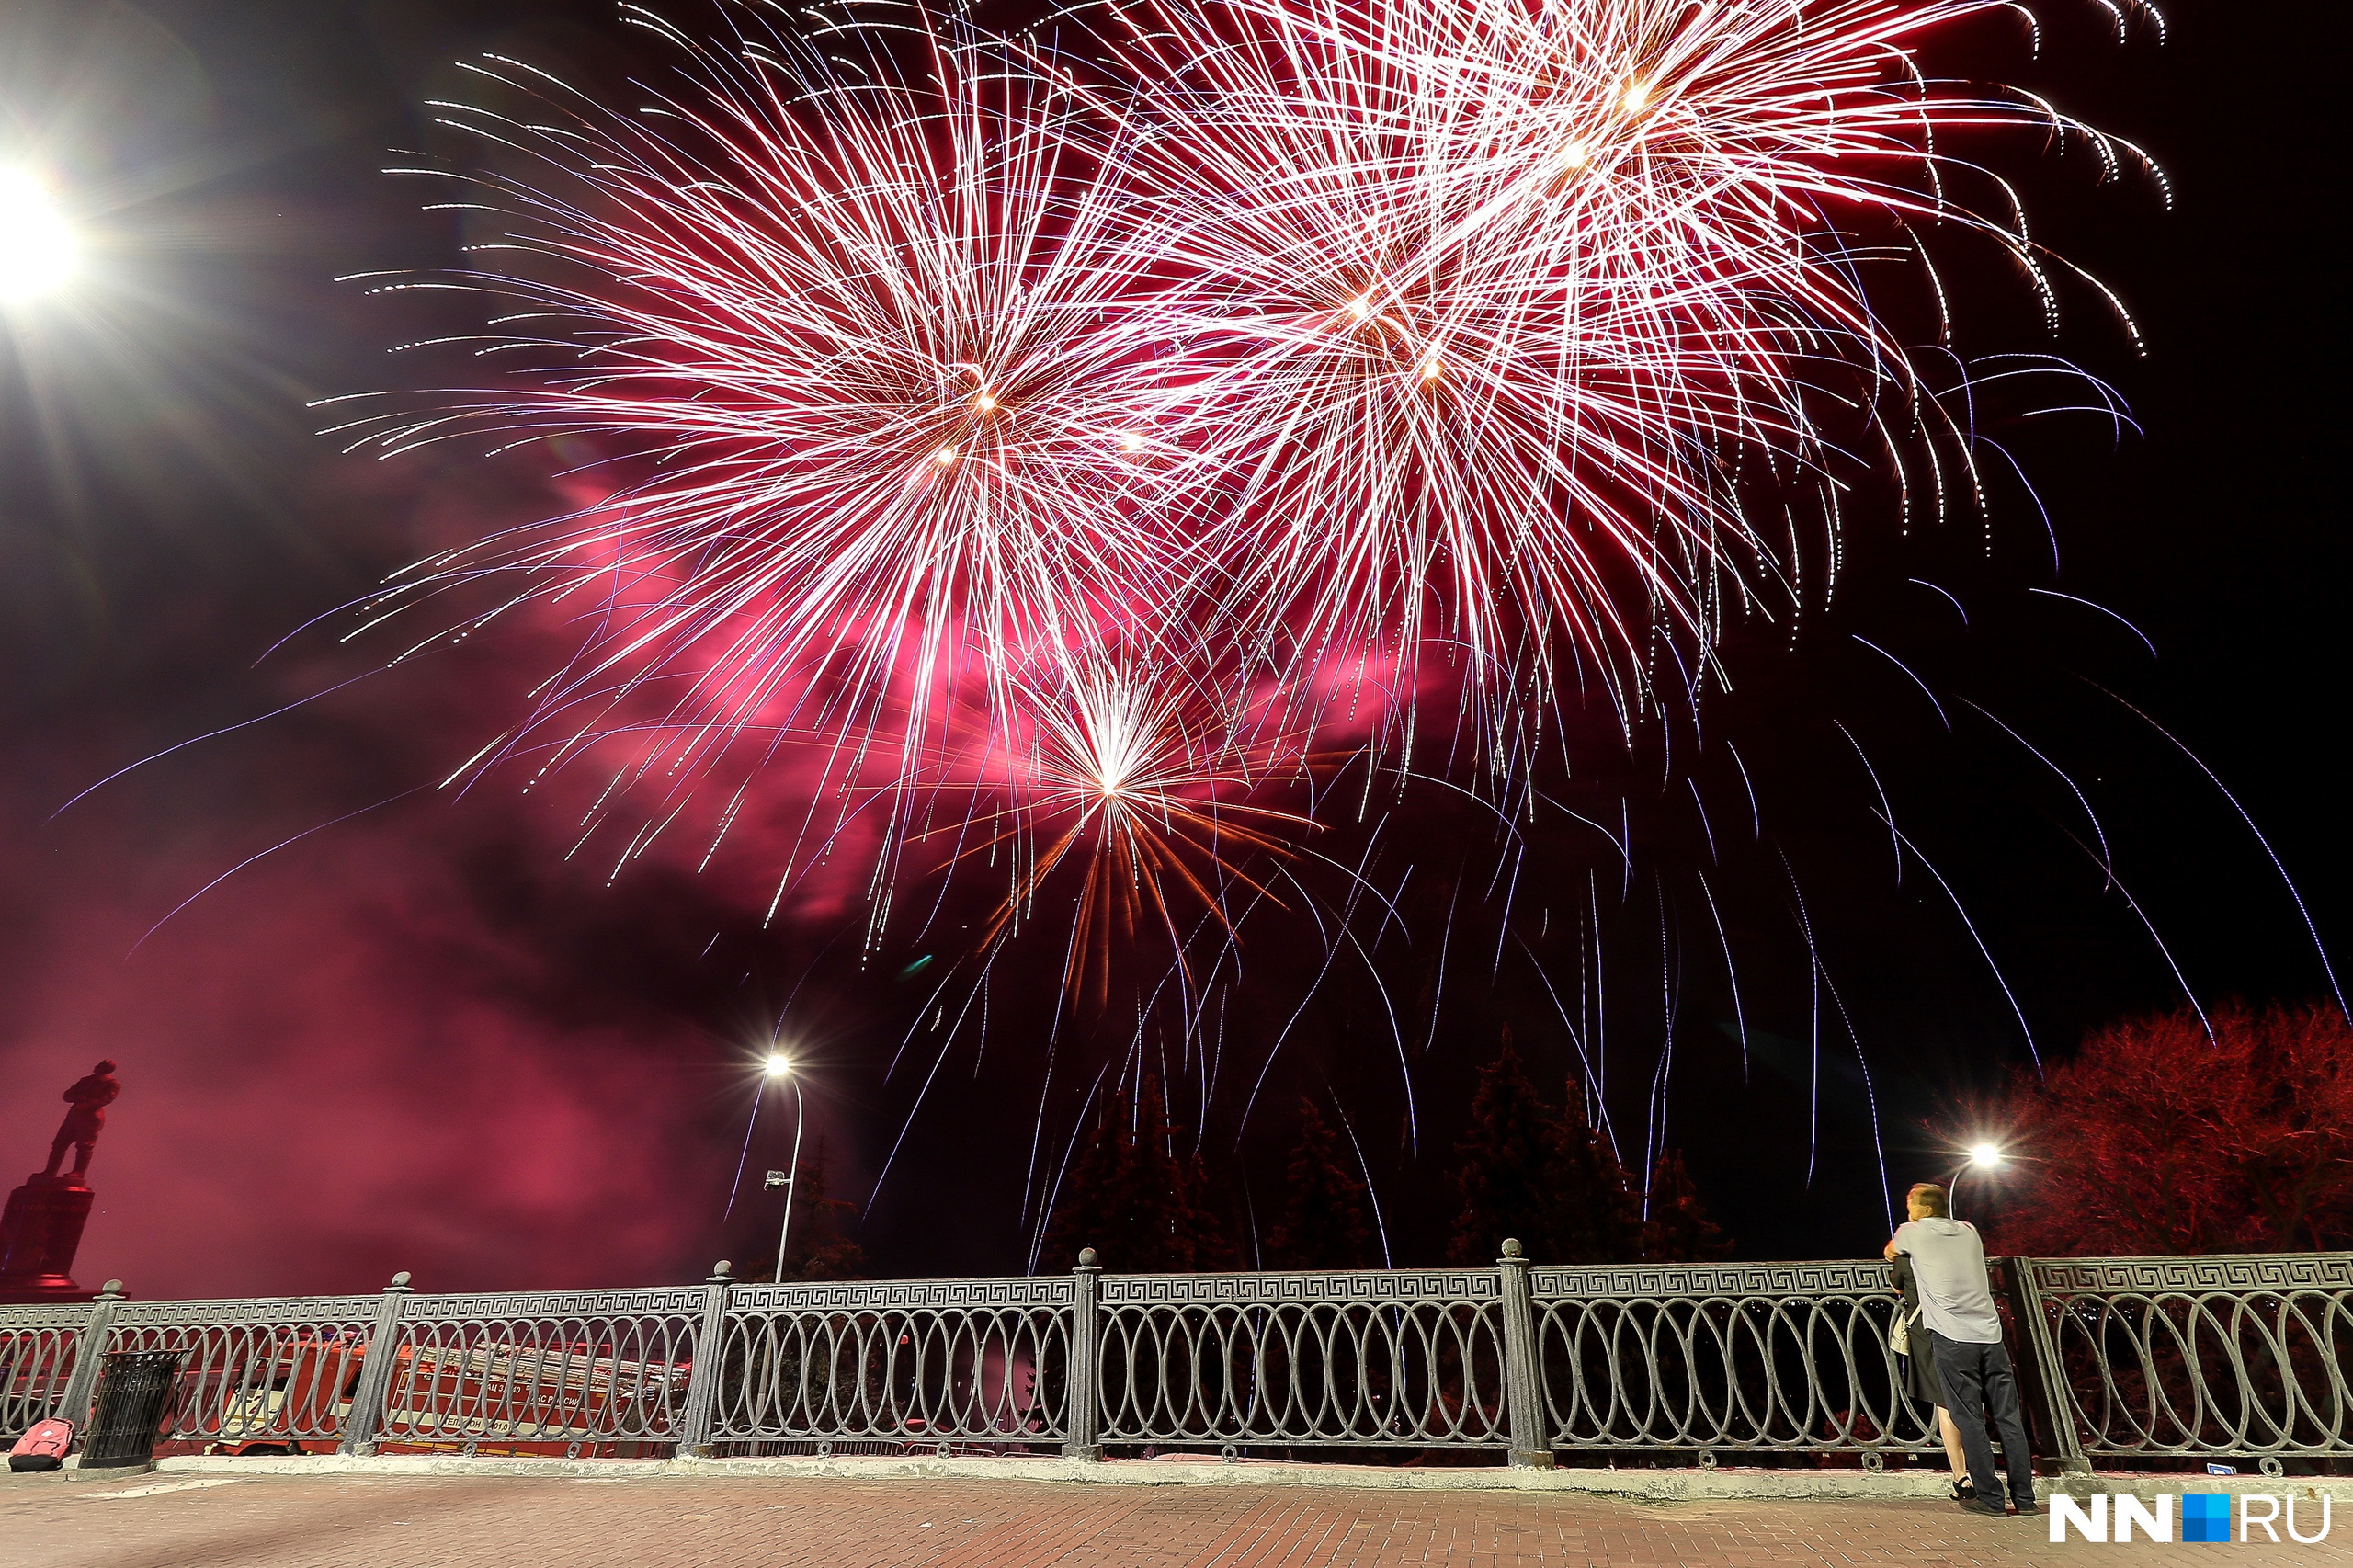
1965 1490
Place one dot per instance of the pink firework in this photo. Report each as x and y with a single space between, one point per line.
1496 314
859 353
963 414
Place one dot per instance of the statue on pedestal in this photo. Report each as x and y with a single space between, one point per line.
89 1097
41 1228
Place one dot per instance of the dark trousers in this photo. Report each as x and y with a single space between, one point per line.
1978 1381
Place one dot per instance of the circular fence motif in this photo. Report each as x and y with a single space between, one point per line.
1428 1373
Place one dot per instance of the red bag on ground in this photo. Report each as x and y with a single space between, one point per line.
43 1448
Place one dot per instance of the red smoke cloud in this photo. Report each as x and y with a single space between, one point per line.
420 1039
342 1062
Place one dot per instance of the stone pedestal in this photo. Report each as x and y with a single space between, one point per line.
38 1235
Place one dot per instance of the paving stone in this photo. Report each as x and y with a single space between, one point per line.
348 1521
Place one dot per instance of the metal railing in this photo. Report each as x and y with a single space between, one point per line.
2225 1356
1407 1357
573 1367
279 1371
2123 1359
40 1352
1724 1357
918 1361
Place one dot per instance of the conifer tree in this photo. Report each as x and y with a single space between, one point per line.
1135 1194
1548 1178
1505 1178
819 1246
1594 1214
1678 1229
1094 1199
1323 1207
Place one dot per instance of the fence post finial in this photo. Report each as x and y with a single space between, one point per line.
1085 1421
1531 1448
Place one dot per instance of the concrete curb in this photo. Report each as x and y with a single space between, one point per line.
1645 1485
2145 1487
1691 1485
1642 1485
72 1471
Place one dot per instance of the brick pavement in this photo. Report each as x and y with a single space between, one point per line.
169 1521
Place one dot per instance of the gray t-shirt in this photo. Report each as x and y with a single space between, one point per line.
1948 1265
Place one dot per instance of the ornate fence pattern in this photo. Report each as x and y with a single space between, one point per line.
563 1367
2242 1357
1361 1359
264 1370
2169 1358
920 1361
38 1348
1723 1357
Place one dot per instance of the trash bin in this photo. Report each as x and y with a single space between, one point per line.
134 1393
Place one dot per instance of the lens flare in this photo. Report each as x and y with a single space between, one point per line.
37 249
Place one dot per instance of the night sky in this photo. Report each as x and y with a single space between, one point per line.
422 1038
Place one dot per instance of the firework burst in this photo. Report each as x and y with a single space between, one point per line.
978 417
1146 782
1496 316
861 352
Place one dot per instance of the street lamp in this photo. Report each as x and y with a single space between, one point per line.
37 247
779 1065
1982 1157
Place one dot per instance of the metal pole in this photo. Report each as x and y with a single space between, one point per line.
363 1426
74 1404
800 1115
1523 1367
702 1379
1085 1423
2046 1371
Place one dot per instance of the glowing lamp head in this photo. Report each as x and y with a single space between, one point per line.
37 248
1637 98
1359 309
986 402
944 457
777 1065
1574 157
1984 1156
1432 369
1131 442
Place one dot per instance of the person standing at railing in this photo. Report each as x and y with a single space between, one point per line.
1964 1335
1920 1381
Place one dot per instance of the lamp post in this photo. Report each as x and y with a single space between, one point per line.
781 1066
